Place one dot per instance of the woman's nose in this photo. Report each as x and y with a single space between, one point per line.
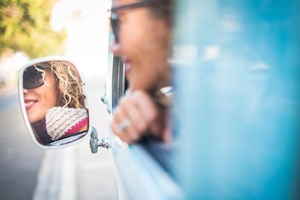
25 91
115 48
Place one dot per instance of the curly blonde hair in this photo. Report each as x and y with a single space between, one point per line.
68 83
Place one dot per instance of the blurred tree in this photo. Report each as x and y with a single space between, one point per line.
25 26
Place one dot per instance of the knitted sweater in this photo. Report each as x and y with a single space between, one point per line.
63 122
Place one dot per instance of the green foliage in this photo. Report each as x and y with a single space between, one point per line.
25 26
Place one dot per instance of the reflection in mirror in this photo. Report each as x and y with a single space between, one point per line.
54 102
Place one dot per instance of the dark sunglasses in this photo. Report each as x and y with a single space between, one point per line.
114 20
32 78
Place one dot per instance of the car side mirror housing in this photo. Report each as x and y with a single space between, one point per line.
53 102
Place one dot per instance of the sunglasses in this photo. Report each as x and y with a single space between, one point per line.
114 19
32 78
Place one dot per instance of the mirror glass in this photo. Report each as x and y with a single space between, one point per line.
53 102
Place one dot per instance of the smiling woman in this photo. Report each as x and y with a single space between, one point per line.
53 95
40 92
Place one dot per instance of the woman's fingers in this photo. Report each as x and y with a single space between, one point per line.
133 116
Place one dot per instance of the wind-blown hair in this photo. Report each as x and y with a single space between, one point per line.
68 83
162 9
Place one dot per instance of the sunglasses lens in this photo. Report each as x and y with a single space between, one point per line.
32 78
115 26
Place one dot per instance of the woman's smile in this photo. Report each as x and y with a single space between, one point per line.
29 103
127 67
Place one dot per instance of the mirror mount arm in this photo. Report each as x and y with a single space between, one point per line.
95 143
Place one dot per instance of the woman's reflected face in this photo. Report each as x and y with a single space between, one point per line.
38 100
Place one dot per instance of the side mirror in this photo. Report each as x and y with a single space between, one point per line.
53 102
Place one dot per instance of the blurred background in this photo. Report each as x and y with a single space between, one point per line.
78 30
30 29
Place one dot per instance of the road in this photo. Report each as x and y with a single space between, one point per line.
28 172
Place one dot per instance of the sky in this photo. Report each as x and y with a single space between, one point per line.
87 25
